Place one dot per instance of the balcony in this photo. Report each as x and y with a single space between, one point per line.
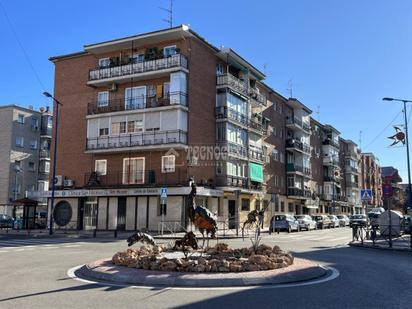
327 160
256 97
228 80
331 179
294 144
299 193
330 142
154 68
351 169
238 182
136 178
293 168
233 149
44 154
256 155
118 105
224 112
137 141
296 123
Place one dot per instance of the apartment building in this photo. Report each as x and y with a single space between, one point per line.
371 179
25 136
150 111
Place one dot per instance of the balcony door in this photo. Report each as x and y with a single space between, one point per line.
133 171
135 97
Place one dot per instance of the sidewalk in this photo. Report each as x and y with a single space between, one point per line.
398 244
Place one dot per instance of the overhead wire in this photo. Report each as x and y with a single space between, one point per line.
26 56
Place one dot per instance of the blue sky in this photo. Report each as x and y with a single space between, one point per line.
341 56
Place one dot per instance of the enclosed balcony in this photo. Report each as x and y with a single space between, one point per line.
331 142
257 97
294 144
140 70
296 123
257 155
141 102
294 168
233 150
137 141
230 81
299 193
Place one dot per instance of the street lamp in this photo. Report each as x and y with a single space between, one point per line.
48 95
407 143
407 147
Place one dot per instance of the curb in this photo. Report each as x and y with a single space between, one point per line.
380 248
307 272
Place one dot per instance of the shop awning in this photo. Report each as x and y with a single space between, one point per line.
256 172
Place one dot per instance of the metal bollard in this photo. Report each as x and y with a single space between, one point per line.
94 233
115 233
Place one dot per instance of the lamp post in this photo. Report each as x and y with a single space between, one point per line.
407 147
56 123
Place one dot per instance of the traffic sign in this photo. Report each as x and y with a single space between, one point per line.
366 194
163 192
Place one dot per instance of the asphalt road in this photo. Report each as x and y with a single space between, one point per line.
33 274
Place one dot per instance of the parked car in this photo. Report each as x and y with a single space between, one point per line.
306 222
374 218
358 219
322 221
285 222
335 221
41 220
343 220
6 221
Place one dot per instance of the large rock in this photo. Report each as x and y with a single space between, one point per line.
221 247
168 266
258 259
252 267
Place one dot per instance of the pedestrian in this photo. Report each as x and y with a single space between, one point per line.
261 216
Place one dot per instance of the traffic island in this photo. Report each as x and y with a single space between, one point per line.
219 266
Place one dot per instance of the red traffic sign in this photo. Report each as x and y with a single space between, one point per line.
387 190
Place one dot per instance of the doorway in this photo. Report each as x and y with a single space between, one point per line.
232 214
121 213
90 213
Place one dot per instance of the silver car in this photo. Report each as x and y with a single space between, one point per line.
335 221
343 220
306 222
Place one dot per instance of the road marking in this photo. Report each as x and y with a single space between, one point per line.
334 273
70 246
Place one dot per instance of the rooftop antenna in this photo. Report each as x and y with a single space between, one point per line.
290 88
170 11
265 69
360 140
318 112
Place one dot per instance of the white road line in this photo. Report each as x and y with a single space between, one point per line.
71 246
48 247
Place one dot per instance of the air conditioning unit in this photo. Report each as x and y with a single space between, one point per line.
59 181
112 87
68 183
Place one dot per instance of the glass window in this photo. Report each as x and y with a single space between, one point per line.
19 141
103 98
133 170
103 131
34 123
32 167
136 58
101 167
47 167
275 154
33 144
168 164
169 51
166 90
104 62
245 204
20 118
219 69
119 127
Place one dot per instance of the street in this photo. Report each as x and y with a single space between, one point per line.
33 274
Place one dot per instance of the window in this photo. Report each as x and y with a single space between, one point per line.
34 123
276 181
282 157
100 167
245 204
103 98
103 131
33 144
169 51
47 167
275 154
17 164
104 62
19 141
133 170
49 122
219 69
32 167
282 206
119 127
135 126
135 97
166 90
290 207
274 131
136 58
168 164
20 118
